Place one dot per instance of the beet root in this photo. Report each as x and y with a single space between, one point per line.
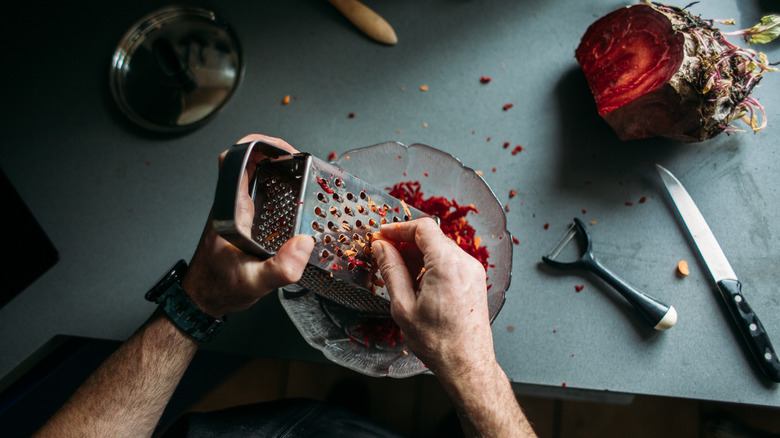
657 70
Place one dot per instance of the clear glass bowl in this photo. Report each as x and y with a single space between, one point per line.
331 328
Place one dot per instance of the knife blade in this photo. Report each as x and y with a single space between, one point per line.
723 276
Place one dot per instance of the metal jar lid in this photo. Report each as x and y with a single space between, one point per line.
176 68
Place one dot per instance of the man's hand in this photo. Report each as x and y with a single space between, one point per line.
222 279
439 300
444 318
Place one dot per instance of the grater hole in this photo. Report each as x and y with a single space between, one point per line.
316 226
363 195
321 197
338 182
343 238
339 253
384 220
371 223
385 207
395 219
334 211
358 223
327 239
337 197
351 266
325 254
319 212
406 217
348 210
346 225
332 226
356 237
350 196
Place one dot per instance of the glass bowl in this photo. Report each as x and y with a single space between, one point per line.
332 329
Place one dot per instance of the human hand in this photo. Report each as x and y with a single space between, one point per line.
222 279
444 317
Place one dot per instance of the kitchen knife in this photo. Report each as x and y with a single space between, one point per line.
724 277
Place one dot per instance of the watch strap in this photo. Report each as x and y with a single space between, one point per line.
186 314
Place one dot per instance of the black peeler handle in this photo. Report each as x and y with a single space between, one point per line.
658 314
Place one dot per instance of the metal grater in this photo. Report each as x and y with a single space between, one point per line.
300 194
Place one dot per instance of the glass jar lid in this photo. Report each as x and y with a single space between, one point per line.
176 68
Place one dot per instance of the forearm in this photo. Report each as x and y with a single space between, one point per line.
127 394
486 404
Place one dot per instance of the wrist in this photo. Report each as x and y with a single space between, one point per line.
180 308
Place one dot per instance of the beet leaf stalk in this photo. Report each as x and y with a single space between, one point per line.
658 70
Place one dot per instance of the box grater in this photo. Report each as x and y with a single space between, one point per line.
302 194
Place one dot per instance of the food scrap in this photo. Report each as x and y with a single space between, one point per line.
508 106
332 156
286 99
515 240
579 287
682 268
546 225
351 115
370 331
517 150
485 79
424 87
643 199
506 144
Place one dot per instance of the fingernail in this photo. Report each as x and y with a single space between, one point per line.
304 244
377 250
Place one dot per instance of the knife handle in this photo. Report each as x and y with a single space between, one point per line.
750 328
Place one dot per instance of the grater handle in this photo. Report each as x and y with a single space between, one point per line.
229 220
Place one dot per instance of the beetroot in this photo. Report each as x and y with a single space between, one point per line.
657 70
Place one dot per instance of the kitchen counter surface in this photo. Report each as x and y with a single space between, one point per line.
121 206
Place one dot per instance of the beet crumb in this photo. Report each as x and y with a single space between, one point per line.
515 240
485 79
506 144
643 199
512 194
351 115
517 149
546 225
508 106
629 203
579 287
332 156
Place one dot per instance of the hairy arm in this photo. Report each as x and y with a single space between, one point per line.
445 321
127 394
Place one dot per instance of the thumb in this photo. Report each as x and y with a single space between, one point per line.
286 267
394 273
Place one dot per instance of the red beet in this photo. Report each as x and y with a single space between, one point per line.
657 70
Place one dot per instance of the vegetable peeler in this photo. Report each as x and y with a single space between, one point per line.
659 315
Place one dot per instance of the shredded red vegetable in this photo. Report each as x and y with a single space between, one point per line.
450 213
377 330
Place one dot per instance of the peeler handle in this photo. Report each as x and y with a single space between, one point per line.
230 220
659 315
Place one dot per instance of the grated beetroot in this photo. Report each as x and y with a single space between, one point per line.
450 213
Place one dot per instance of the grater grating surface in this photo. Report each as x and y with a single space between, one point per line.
301 194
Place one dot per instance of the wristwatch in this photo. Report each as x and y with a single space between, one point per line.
172 299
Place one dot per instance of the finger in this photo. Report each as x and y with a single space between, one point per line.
425 233
278 142
286 267
394 273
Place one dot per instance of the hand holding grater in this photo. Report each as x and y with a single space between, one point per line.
266 195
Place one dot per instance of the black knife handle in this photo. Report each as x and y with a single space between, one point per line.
750 328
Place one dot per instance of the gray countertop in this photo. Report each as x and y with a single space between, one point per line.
121 205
